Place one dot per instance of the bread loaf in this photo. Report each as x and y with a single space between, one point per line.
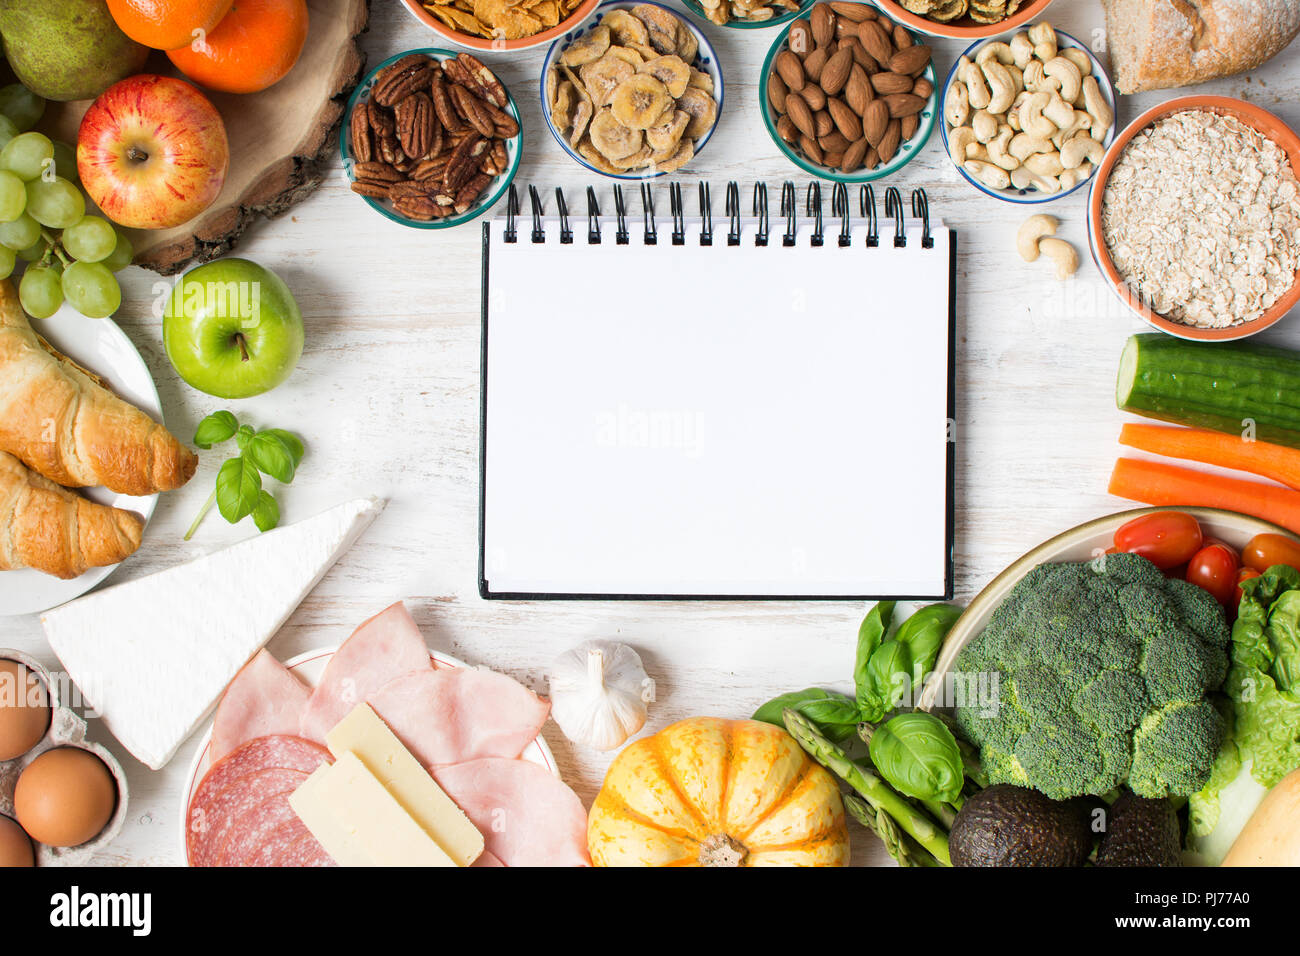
1162 44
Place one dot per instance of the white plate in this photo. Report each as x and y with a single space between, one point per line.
308 667
103 348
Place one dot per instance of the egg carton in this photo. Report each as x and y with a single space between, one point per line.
67 729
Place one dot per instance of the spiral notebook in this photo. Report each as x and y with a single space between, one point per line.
754 408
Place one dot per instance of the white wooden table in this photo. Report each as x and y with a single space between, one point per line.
386 398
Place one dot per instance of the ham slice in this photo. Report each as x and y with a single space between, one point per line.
381 649
263 700
453 715
527 816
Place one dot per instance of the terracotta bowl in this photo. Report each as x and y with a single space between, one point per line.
965 28
1261 120
500 46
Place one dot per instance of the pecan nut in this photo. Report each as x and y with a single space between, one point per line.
440 90
481 77
463 163
400 80
473 110
361 144
415 122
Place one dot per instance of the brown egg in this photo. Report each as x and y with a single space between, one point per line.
65 797
24 710
15 847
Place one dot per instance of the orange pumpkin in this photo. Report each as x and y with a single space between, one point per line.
711 792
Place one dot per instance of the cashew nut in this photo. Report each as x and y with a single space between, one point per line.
1079 58
993 176
1001 52
1082 122
1082 147
1070 77
1045 164
1023 146
1059 111
977 90
1032 120
1036 80
1023 179
959 138
978 152
1063 254
1022 48
1072 177
997 149
1000 82
1102 115
1043 36
985 125
956 107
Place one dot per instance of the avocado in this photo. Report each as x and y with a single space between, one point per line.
1016 826
67 49
1141 832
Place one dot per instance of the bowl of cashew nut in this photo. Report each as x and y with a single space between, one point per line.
1029 119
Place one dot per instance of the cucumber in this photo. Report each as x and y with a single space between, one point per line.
1228 387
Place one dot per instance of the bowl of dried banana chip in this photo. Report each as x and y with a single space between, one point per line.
963 19
747 14
633 93
500 25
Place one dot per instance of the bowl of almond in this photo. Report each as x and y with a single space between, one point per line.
848 94
431 138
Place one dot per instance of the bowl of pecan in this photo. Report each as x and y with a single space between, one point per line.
848 94
431 138
747 14
963 19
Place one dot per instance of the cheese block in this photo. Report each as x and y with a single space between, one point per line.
154 655
364 821
364 735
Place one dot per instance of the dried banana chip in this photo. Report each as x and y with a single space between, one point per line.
687 46
637 160
639 101
684 153
603 75
614 139
587 48
671 71
581 119
660 24
701 81
626 29
594 156
703 110
666 134
627 53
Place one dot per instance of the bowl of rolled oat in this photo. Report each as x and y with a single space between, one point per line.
1194 218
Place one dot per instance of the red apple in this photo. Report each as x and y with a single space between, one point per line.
152 152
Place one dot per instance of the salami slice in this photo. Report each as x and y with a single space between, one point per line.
240 844
275 842
305 851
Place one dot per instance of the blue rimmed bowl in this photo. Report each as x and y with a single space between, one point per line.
706 60
488 198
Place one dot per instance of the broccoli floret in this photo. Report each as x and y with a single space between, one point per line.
1104 670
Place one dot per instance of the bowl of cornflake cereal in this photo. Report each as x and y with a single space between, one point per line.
1194 218
500 25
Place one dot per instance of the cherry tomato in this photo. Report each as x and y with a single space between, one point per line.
1265 550
1215 569
1165 538
1245 574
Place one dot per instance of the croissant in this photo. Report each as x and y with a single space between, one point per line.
61 422
48 528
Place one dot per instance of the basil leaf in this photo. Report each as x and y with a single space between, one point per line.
267 513
216 428
291 441
919 756
923 633
272 455
238 484
836 715
889 675
243 436
870 635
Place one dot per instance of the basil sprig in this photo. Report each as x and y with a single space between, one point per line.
239 493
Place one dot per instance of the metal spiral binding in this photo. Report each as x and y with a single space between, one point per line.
867 208
840 207
760 213
814 207
706 215
678 209
512 212
733 213
894 207
620 211
566 234
535 200
593 218
648 215
921 211
788 211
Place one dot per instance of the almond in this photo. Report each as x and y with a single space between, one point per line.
857 91
776 91
923 88
832 157
874 122
822 122
904 104
815 61
811 149
853 12
910 125
797 109
801 38
791 70
853 156
890 141
846 121
860 56
833 142
886 83
874 41
814 96
822 22
902 38
786 129
910 60
836 72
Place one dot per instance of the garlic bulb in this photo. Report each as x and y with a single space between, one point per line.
599 693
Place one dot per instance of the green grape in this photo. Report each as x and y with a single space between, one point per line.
26 154
65 162
40 291
90 239
13 196
91 289
23 107
7 130
56 203
8 260
21 233
34 251
121 255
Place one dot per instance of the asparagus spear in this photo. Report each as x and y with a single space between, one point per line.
897 843
876 792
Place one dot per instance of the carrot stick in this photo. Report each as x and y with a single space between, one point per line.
1216 448
1156 483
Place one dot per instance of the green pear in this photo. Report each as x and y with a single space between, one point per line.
67 49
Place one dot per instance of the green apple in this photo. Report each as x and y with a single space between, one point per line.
232 329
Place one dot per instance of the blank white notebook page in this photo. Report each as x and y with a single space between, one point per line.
741 421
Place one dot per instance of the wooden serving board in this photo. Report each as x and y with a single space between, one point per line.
280 139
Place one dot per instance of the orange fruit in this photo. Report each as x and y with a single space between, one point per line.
167 24
256 44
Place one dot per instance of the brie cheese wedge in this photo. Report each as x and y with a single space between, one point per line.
153 656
